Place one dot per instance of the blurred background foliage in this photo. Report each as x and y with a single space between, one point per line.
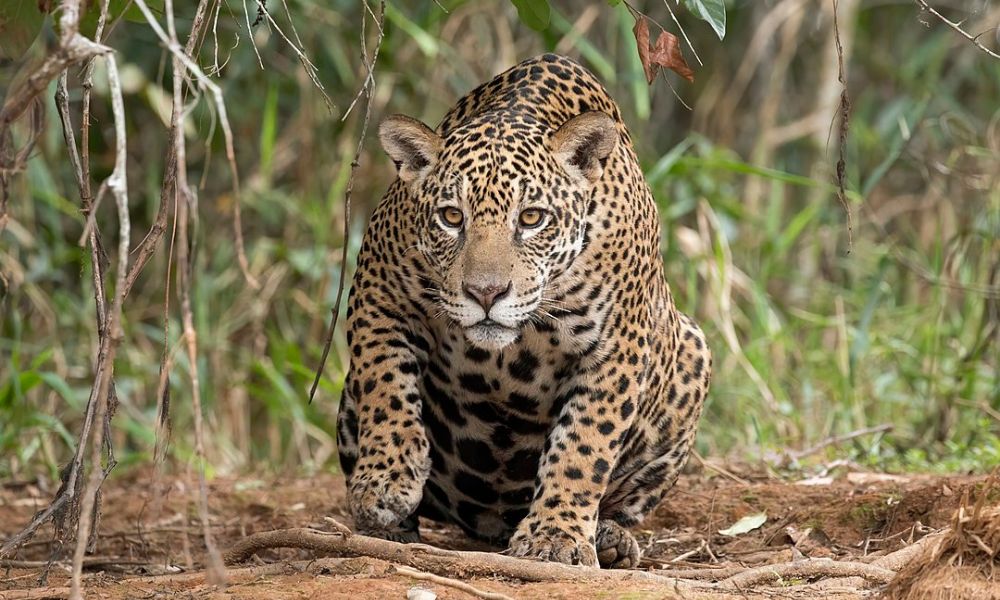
813 336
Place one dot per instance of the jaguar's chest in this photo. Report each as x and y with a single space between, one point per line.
477 392
487 414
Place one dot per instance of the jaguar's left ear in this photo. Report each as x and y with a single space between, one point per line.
584 143
412 146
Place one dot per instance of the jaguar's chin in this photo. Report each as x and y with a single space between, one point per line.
491 335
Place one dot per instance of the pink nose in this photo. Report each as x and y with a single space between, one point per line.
488 294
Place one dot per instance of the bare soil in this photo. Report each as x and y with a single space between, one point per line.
150 544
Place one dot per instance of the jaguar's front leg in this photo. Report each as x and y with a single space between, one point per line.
388 462
580 452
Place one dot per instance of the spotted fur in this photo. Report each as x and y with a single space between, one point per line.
529 381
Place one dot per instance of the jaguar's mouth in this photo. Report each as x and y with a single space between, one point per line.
491 335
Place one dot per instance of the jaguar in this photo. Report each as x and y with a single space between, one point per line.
517 364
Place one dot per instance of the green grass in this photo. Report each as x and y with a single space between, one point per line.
810 341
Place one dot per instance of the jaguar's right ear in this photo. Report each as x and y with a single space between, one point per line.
413 146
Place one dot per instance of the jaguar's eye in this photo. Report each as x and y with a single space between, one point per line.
531 217
451 216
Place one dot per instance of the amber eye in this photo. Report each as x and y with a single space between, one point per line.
531 218
451 216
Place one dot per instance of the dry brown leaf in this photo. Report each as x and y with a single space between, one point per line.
666 53
641 32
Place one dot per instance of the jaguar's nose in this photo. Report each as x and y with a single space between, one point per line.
487 295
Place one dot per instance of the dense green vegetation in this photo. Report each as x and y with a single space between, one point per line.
814 336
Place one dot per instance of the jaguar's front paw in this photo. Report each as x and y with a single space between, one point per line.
380 504
554 544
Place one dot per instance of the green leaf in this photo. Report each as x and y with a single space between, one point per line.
614 3
20 22
712 12
533 13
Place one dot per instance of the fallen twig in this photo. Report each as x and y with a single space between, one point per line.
454 583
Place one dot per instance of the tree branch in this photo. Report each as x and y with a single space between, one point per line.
957 27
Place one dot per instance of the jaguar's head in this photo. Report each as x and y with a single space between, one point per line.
502 209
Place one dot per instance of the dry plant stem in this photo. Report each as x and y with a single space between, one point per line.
957 27
184 200
839 439
184 56
844 124
118 184
73 48
452 583
368 89
683 33
144 251
168 198
297 48
65 56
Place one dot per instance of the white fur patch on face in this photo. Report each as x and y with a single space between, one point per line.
491 336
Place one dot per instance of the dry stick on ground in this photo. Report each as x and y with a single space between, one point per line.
73 49
957 27
368 90
453 583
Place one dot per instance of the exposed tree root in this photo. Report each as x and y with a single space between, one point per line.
452 564
808 569
447 563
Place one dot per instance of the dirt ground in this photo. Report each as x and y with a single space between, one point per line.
150 544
